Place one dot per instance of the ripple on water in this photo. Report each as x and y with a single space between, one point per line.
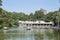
34 34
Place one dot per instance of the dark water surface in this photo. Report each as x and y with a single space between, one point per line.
33 34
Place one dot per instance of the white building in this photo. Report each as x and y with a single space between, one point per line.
41 24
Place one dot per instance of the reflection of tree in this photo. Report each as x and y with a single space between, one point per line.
15 34
56 35
38 36
49 34
1 36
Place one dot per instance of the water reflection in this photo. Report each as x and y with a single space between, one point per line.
35 34
1 36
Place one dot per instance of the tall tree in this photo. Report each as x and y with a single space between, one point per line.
0 2
0 6
38 15
59 9
30 16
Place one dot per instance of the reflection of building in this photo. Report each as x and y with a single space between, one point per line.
41 24
43 10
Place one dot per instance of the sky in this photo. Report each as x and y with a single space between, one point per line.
28 6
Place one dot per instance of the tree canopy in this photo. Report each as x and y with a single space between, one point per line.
0 2
10 19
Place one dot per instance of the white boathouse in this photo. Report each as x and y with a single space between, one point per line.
41 24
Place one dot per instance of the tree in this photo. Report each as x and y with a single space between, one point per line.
0 2
59 9
31 17
38 15
0 6
22 16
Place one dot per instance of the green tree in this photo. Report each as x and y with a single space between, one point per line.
0 6
0 2
38 15
31 17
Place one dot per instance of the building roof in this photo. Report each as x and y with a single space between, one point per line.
36 22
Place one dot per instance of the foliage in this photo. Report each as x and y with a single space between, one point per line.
0 2
10 19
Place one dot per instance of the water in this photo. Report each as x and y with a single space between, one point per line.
33 34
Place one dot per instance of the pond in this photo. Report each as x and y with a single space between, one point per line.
33 34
